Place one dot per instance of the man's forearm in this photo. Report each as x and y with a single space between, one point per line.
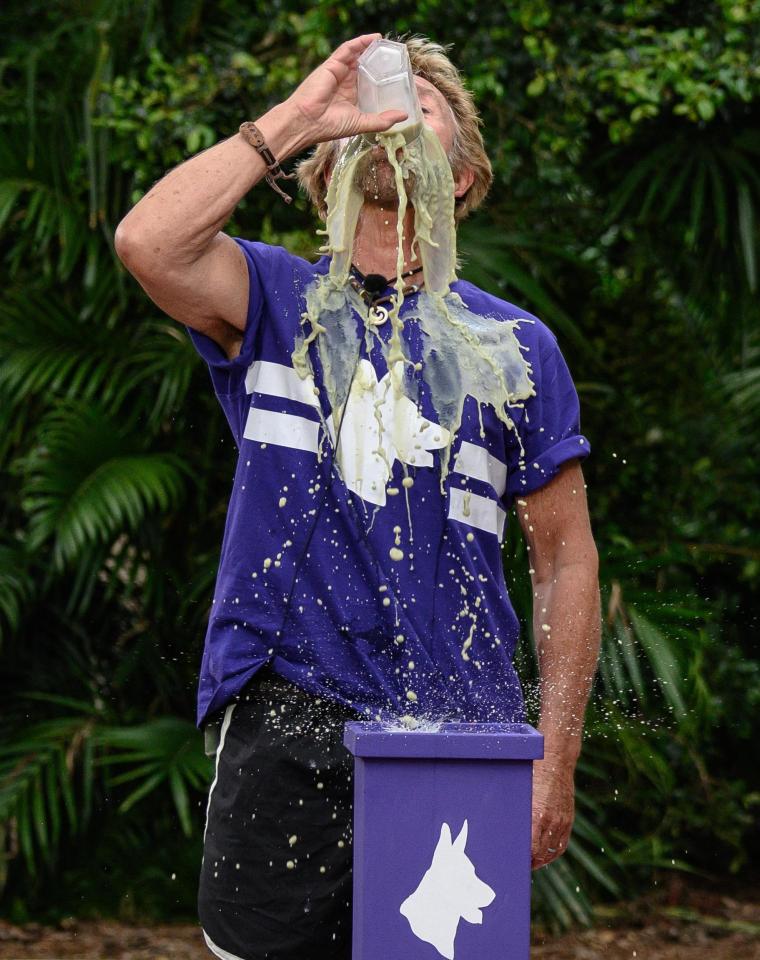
567 634
180 215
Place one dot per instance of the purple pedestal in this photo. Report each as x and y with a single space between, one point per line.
442 825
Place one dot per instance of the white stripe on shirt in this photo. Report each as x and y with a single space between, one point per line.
279 380
282 430
476 511
475 461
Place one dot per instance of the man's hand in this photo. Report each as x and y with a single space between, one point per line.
553 809
326 100
172 240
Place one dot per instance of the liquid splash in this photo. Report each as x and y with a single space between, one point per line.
464 354
410 724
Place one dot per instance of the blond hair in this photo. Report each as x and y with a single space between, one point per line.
429 61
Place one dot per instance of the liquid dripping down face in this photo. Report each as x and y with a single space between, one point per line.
465 354
375 177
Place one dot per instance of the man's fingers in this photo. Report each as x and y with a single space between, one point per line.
343 59
540 842
552 824
545 851
376 122
549 838
350 51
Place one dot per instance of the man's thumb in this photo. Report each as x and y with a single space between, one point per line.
377 122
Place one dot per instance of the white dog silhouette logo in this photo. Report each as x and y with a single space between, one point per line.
448 892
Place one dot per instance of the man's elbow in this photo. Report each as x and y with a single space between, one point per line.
137 248
129 245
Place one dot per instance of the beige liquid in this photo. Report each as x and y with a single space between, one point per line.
464 354
409 129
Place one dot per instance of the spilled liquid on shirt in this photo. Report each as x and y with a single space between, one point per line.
463 353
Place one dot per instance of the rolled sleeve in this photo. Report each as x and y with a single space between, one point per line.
548 425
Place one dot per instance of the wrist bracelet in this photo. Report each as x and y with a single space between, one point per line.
252 134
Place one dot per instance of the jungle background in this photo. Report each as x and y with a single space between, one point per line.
625 138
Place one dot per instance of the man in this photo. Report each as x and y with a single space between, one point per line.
312 623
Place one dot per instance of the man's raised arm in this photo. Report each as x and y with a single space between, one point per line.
171 240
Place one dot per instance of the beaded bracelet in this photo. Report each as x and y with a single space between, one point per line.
252 135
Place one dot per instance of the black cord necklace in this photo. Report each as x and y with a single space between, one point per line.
370 288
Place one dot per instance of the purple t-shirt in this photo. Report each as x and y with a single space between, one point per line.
306 580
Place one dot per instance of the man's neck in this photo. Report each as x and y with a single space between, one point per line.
376 241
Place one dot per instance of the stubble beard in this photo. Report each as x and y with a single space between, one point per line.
375 178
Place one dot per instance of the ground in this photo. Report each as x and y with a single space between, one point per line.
691 922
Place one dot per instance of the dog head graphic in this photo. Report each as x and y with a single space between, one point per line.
449 892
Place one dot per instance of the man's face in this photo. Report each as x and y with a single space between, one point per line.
375 176
436 112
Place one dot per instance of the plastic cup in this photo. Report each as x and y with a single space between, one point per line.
386 82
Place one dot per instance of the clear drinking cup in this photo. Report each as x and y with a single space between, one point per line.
386 82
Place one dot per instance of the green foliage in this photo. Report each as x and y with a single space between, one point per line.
15 587
82 484
165 751
168 112
36 787
624 138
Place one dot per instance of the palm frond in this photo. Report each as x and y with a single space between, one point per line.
16 586
48 772
86 481
158 368
645 638
742 386
560 901
37 784
651 851
164 752
47 220
501 262
680 190
46 347
664 659
586 838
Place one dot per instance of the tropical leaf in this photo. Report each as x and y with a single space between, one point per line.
560 901
47 220
679 189
742 386
16 586
586 840
48 772
45 347
37 784
157 369
164 752
500 261
664 659
85 481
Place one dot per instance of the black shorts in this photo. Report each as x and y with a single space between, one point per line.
275 878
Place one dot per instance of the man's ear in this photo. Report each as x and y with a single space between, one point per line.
463 181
